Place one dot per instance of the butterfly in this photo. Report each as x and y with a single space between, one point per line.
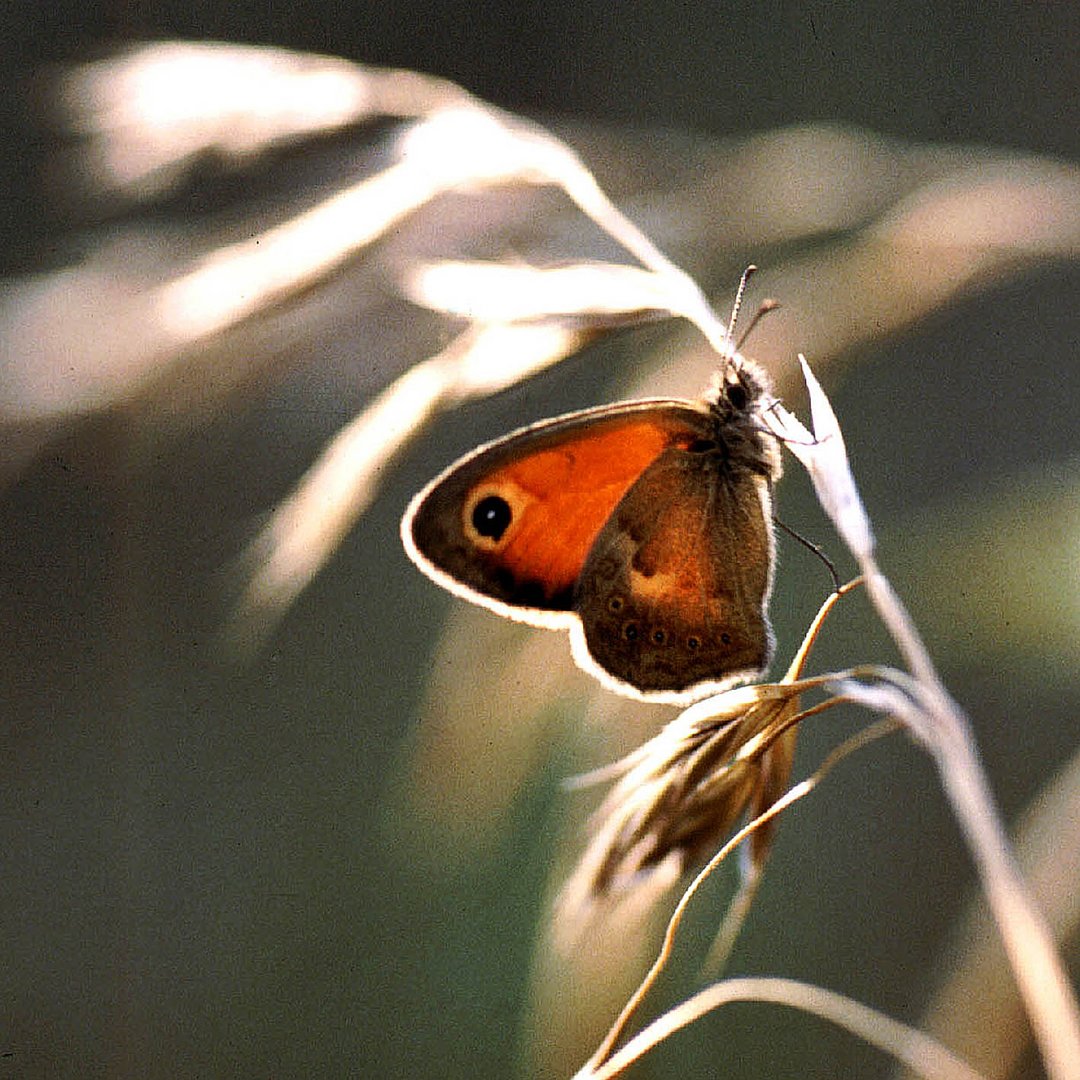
643 528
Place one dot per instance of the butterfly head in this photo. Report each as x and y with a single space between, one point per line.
739 389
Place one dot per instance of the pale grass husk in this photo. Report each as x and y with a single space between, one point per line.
681 793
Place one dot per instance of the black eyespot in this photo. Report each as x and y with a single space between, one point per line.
616 604
659 637
693 643
630 631
491 516
702 446
725 638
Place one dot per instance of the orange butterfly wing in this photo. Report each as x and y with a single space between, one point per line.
511 525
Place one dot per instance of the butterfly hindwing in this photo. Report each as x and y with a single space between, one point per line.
674 592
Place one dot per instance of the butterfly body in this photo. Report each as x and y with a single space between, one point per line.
643 528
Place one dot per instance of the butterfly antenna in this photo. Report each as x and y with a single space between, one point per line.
751 269
811 546
764 309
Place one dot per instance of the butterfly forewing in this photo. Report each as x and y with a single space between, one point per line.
512 524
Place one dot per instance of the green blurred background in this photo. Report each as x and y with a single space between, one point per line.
282 868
